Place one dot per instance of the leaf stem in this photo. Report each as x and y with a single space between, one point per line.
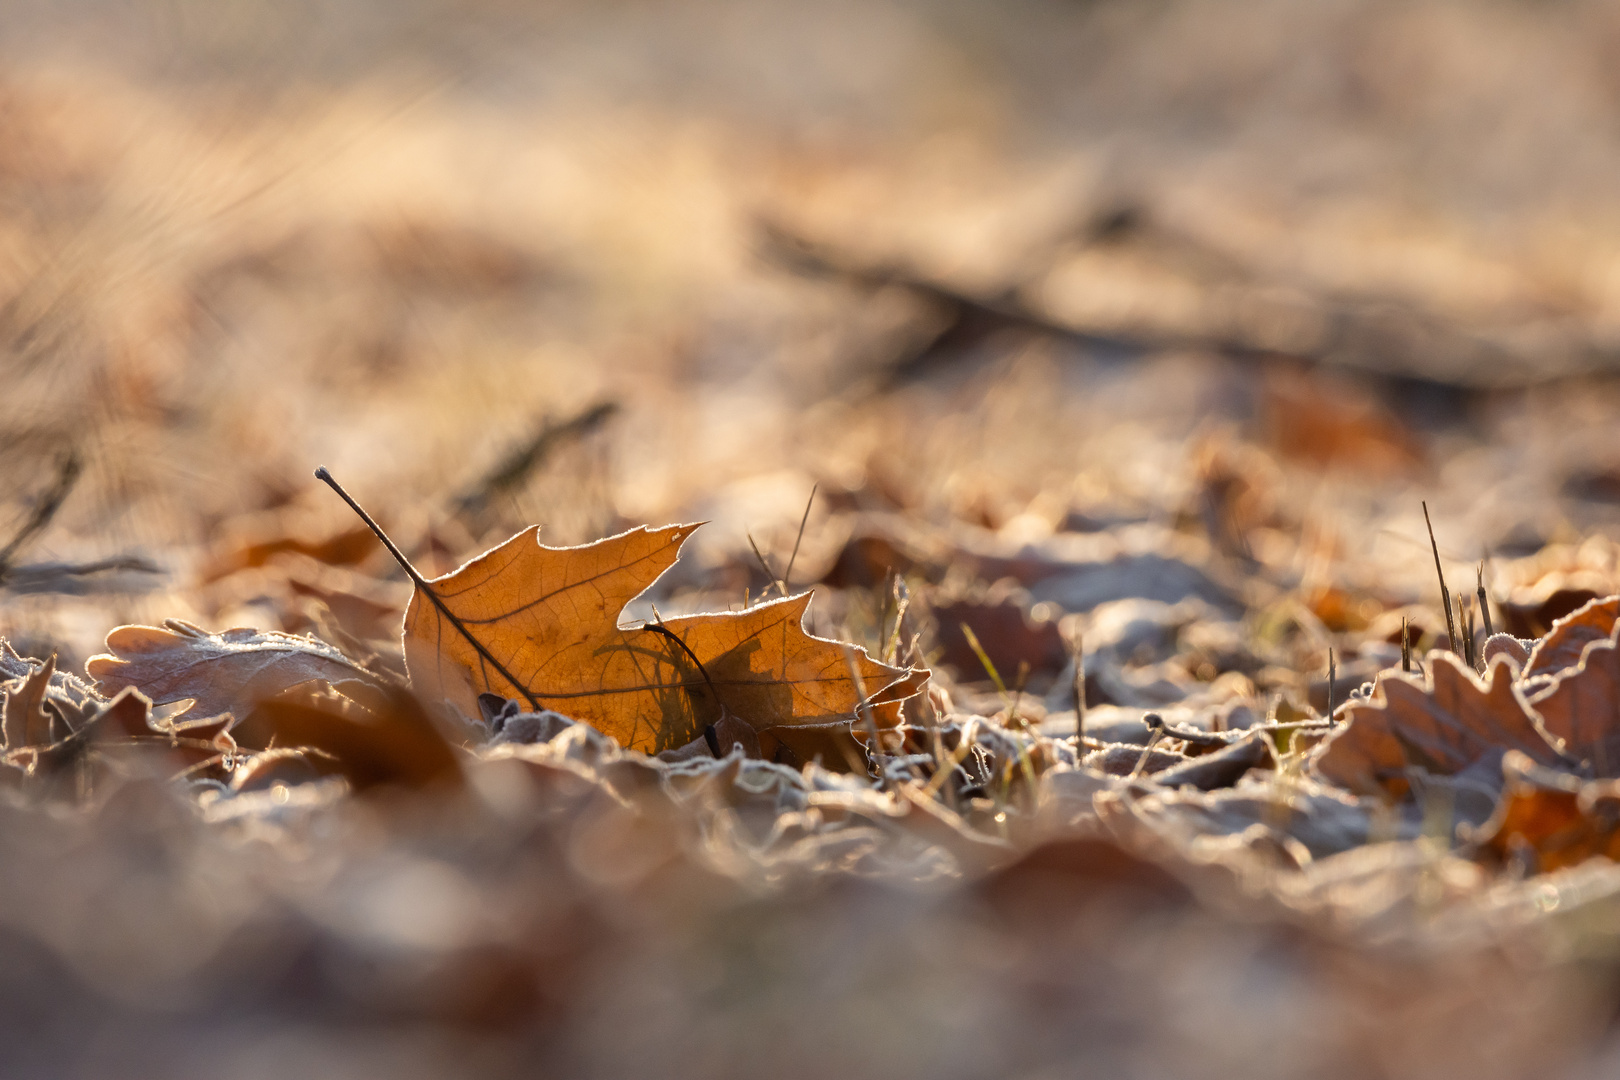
421 583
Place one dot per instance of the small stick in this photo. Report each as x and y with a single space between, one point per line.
1079 688
1155 724
1468 634
1484 601
1445 593
802 522
760 555
1333 672
421 583
1465 652
902 601
1406 646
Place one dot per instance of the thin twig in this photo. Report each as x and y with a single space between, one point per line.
1406 646
1333 672
793 558
1018 691
517 465
1079 687
902 601
1484 600
421 583
1468 633
1155 724
1445 593
781 585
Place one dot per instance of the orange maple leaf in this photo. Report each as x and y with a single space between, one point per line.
540 625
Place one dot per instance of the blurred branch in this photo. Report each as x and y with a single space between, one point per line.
1390 340
968 319
512 470
68 473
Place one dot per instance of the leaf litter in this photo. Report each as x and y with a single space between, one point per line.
669 750
1124 733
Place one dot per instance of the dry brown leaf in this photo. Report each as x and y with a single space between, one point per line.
26 721
1553 816
542 627
119 740
1329 422
220 673
1532 593
387 740
1570 635
1582 707
343 548
1443 725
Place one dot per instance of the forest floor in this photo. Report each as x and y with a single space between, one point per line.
1098 370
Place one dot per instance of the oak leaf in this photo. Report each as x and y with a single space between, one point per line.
1443 724
220 673
1581 708
1570 635
540 625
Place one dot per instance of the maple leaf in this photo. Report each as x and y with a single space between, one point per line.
220 673
540 625
1443 726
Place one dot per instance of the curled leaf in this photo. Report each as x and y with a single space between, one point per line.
220 673
26 721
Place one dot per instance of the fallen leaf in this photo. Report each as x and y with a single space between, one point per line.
388 740
1537 590
1582 707
1570 635
1330 422
26 721
1443 725
220 673
1554 816
541 626
342 548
